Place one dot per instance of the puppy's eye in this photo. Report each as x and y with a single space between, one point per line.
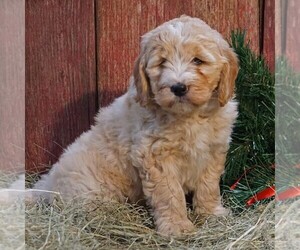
161 63
196 61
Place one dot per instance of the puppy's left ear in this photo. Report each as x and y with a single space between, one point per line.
141 81
228 77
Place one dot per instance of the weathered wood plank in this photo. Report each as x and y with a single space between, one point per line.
268 36
12 85
248 19
121 23
278 23
292 34
60 76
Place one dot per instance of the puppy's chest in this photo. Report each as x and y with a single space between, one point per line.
194 151
192 143
196 144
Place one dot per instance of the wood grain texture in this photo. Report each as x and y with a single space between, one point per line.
278 27
60 76
121 23
12 85
293 34
268 36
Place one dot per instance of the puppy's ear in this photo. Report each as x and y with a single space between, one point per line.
228 76
141 81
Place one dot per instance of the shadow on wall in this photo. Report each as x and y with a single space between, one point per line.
46 143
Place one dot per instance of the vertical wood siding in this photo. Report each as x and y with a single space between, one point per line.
292 38
268 33
12 85
287 37
60 76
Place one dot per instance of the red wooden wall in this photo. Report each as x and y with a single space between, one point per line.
12 86
60 76
290 32
80 54
287 35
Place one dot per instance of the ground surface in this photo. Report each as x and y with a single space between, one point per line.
116 226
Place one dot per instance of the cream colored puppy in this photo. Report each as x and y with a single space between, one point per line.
166 136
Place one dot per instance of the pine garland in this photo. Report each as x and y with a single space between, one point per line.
287 128
252 150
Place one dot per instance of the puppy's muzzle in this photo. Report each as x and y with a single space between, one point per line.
179 89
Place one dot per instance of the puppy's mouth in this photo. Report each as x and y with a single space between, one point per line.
181 99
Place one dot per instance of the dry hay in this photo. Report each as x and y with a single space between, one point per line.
117 226
287 228
12 218
12 226
97 225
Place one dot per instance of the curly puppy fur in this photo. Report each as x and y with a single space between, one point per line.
166 136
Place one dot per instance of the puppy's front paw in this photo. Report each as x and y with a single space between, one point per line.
176 228
221 211
217 211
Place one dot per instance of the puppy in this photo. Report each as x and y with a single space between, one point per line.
166 136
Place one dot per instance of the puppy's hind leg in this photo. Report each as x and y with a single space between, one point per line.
78 183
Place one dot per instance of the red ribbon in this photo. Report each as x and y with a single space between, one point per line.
289 193
269 192
264 194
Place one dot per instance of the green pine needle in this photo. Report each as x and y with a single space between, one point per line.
287 126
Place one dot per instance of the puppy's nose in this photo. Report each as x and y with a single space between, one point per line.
179 89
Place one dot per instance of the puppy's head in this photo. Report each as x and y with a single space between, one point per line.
185 66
